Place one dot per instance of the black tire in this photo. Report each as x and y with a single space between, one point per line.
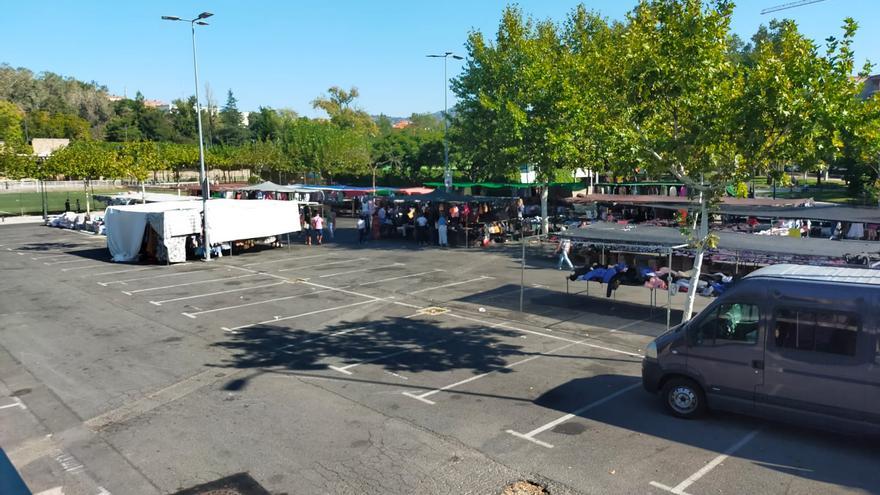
684 398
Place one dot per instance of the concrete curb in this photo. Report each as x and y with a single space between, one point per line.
20 220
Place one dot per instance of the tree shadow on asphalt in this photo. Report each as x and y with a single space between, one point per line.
546 302
779 447
397 344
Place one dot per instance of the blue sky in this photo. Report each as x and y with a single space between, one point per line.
283 54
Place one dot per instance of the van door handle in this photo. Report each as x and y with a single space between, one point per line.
758 364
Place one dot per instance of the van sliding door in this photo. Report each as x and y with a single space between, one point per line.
814 365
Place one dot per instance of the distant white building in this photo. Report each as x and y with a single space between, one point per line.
44 147
871 87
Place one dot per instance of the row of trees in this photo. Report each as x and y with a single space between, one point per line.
669 91
272 142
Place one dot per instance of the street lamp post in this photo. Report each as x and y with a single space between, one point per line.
447 175
203 176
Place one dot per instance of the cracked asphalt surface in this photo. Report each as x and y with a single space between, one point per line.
326 370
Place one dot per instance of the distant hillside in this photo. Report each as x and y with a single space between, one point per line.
55 94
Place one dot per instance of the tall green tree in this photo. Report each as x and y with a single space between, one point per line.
42 124
10 123
265 124
184 120
339 105
232 130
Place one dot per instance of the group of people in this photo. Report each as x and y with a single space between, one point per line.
313 225
427 228
427 223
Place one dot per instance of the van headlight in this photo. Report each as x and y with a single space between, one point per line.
651 350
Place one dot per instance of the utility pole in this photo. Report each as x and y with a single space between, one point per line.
447 174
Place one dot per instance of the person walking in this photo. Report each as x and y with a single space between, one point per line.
441 231
421 229
318 227
563 248
307 226
331 224
362 229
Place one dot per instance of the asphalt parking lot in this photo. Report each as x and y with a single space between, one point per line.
348 369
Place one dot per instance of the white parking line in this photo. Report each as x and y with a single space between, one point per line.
291 258
285 298
361 270
530 436
40 258
284 318
166 275
400 277
78 268
114 272
198 282
423 396
323 264
17 403
680 488
196 296
483 277
344 369
542 334
68 261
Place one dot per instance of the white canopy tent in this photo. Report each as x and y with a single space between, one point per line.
228 220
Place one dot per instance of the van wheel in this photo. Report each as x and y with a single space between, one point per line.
684 398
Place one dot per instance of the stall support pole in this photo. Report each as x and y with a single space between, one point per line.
288 242
669 293
522 275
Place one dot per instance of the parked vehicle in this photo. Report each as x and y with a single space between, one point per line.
794 343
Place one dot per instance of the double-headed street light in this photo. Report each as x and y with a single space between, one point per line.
447 174
203 176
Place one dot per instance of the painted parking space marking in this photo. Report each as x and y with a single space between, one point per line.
353 260
196 296
436 270
453 284
16 402
680 488
291 258
255 303
300 315
41 258
344 369
137 279
424 396
542 334
530 436
362 270
69 261
80 268
198 282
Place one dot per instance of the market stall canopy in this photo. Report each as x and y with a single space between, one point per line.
440 196
656 200
515 185
270 186
131 197
670 237
228 220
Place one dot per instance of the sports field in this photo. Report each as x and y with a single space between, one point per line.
28 203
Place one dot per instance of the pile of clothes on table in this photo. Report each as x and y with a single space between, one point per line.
613 276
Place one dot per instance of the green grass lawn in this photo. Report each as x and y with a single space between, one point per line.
827 192
28 203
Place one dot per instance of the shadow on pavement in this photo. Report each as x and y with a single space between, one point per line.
799 452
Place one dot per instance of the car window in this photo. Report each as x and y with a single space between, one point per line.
738 322
729 323
831 332
702 331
